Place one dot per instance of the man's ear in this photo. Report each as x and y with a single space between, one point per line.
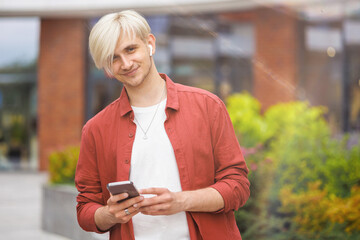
151 40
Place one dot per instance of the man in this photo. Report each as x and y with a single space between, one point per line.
175 143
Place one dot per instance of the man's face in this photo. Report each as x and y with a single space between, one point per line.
132 62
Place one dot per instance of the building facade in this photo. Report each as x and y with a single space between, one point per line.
278 53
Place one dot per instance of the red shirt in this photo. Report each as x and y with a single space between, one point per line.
206 151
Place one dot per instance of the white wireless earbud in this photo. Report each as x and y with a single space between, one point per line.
150 50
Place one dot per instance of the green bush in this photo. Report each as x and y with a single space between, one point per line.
296 149
342 168
299 141
62 165
305 152
244 111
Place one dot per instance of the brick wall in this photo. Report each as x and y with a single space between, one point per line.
275 62
61 85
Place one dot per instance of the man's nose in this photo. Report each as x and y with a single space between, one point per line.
126 63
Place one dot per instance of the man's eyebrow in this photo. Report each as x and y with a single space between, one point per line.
131 46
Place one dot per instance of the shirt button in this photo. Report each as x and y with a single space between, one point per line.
127 161
131 135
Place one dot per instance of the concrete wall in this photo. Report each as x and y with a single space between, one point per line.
59 214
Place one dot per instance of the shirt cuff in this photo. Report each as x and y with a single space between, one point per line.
88 222
227 193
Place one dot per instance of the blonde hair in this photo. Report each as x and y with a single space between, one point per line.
106 32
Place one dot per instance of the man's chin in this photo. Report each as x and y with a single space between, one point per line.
133 82
126 79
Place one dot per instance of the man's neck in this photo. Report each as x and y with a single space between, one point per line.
149 92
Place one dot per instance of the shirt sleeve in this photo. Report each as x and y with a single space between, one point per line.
87 182
231 172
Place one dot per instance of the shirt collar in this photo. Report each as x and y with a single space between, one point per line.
172 97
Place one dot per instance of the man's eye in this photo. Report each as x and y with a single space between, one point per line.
131 49
115 58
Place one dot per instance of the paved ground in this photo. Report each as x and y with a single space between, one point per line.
20 206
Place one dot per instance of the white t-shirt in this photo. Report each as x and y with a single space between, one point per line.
153 164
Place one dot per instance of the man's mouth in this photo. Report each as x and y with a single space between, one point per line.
130 73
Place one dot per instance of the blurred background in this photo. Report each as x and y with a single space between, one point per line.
288 70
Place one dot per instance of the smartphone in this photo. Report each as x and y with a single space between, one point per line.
123 187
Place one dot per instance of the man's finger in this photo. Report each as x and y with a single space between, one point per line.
126 203
155 208
124 218
114 199
154 201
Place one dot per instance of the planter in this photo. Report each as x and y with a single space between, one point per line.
59 213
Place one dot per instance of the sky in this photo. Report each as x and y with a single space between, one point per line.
19 40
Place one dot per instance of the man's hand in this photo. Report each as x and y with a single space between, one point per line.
164 203
114 212
117 210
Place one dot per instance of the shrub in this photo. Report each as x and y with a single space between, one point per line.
319 215
62 165
299 140
342 168
297 174
244 111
